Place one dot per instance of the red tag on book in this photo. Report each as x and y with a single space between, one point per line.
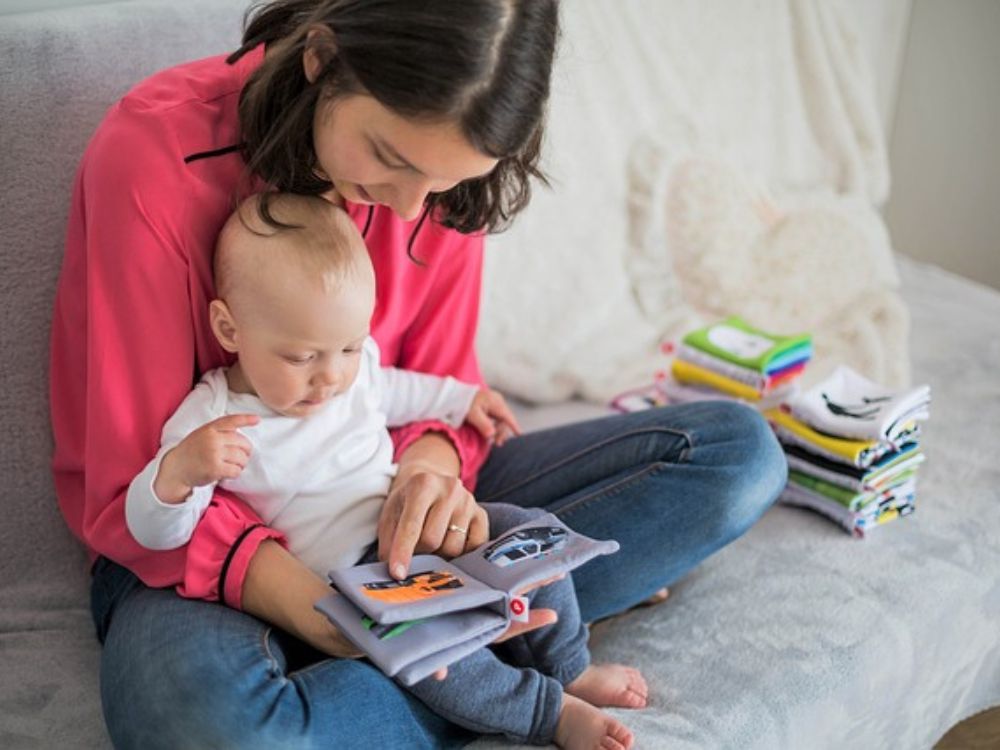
518 608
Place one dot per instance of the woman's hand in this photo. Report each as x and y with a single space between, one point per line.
428 511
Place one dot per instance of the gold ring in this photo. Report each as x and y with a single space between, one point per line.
459 529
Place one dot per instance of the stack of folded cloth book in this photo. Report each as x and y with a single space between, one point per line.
732 359
853 449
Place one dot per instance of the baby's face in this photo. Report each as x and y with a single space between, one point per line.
305 347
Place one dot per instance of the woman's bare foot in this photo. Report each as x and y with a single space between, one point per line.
659 596
610 685
586 727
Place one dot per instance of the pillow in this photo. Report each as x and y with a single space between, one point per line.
707 240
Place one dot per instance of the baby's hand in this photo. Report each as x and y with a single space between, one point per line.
213 452
491 416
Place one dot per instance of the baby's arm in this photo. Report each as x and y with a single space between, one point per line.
411 396
407 396
167 498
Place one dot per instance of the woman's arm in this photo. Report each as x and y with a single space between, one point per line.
281 590
124 339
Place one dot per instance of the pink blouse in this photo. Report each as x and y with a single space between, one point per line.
130 331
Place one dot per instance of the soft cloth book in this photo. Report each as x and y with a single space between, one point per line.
737 342
445 610
850 405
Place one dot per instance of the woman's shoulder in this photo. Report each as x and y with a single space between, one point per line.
176 113
169 149
195 82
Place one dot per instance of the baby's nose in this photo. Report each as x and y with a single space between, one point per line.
328 376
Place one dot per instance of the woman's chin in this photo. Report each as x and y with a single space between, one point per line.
360 195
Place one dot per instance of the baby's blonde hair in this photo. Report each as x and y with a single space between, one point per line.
319 244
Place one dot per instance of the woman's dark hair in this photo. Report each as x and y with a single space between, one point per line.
484 64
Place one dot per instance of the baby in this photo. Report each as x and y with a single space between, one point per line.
297 427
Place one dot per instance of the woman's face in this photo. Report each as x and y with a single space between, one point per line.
374 156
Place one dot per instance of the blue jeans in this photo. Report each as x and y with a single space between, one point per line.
671 485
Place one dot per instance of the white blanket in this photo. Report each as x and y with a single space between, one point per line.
672 124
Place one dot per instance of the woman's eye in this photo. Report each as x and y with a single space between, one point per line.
384 160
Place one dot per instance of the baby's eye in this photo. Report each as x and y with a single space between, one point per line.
352 350
298 359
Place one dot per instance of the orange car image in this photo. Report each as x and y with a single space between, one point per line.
413 588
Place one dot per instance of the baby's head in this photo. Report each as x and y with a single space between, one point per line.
293 304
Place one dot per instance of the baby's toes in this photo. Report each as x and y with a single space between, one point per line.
632 699
637 683
617 737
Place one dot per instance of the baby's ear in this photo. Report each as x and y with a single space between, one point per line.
223 325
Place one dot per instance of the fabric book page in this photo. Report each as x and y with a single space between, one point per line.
426 645
531 552
433 587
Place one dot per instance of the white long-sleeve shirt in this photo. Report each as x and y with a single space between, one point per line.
321 479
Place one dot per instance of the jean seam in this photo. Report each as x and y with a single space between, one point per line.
611 490
590 449
268 654
310 667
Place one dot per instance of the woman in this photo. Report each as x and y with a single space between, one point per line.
424 120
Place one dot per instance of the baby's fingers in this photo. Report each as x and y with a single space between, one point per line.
479 419
239 442
233 422
500 412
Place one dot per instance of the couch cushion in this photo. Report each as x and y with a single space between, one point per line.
59 71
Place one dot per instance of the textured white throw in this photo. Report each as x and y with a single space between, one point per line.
671 126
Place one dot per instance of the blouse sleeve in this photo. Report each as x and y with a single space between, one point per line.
123 358
441 341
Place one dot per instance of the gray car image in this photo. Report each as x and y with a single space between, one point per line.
525 544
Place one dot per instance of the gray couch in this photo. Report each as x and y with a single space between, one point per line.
795 636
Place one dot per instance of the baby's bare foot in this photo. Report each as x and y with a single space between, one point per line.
586 727
610 685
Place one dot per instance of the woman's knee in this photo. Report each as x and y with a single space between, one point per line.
761 469
751 466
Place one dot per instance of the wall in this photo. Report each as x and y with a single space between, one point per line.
882 28
944 206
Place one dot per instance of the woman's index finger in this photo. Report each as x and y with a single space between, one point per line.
407 533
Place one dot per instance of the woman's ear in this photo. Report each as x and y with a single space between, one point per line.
320 47
223 325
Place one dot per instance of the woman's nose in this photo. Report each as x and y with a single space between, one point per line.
410 198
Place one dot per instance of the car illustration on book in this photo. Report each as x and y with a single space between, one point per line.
525 544
413 588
